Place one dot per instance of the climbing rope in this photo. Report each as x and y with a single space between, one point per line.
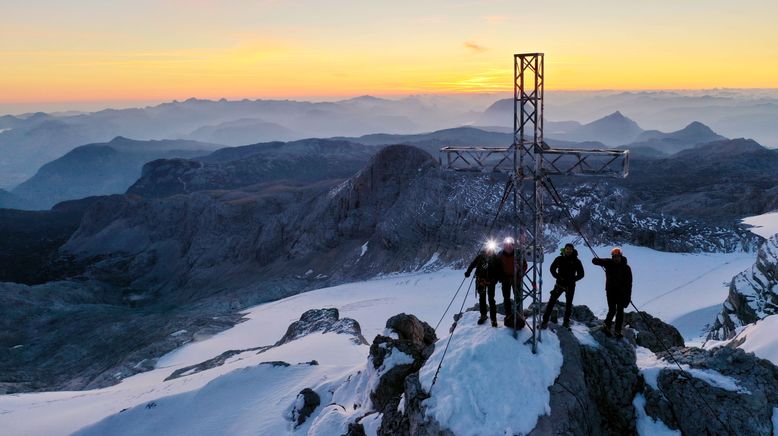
445 350
450 303
505 194
560 203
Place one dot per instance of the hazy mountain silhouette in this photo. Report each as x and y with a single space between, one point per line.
28 142
673 142
243 131
100 169
11 201
614 129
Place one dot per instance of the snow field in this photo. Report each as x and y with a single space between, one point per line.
489 378
675 287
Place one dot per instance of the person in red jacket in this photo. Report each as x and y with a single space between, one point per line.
618 288
507 258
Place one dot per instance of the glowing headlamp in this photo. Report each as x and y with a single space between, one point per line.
491 245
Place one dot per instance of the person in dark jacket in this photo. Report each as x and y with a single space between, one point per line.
567 270
487 273
618 288
506 259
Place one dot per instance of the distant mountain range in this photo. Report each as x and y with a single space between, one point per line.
99 169
112 167
30 140
673 142
27 142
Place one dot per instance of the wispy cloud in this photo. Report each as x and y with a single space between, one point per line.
496 18
477 48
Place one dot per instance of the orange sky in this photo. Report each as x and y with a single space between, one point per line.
54 51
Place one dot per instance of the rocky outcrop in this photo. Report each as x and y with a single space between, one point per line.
375 391
653 333
573 408
415 338
694 406
307 401
596 390
322 321
753 294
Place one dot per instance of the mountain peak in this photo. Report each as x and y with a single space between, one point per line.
615 117
120 140
697 127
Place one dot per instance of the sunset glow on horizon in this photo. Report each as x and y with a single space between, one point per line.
176 49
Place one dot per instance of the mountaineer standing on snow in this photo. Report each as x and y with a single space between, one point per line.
507 258
487 273
618 288
567 270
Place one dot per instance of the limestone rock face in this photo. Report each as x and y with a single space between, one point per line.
753 294
696 407
648 328
596 390
307 401
323 321
415 339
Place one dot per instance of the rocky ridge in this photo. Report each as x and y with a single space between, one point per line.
604 386
753 294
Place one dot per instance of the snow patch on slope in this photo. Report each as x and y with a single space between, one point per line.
765 225
582 334
758 338
650 366
490 383
648 426
247 400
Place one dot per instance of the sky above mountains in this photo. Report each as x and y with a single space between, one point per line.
146 50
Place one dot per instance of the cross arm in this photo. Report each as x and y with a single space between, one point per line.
585 162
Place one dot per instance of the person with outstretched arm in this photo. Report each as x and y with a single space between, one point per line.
567 270
618 288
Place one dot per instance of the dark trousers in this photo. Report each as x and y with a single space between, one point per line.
615 306
507 286
483 291
554 297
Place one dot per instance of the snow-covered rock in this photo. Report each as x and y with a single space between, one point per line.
720 391
324 321
652 332
753 294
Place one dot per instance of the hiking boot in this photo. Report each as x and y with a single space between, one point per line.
544 325
494 323
619 335
481 320
566 325
606 330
